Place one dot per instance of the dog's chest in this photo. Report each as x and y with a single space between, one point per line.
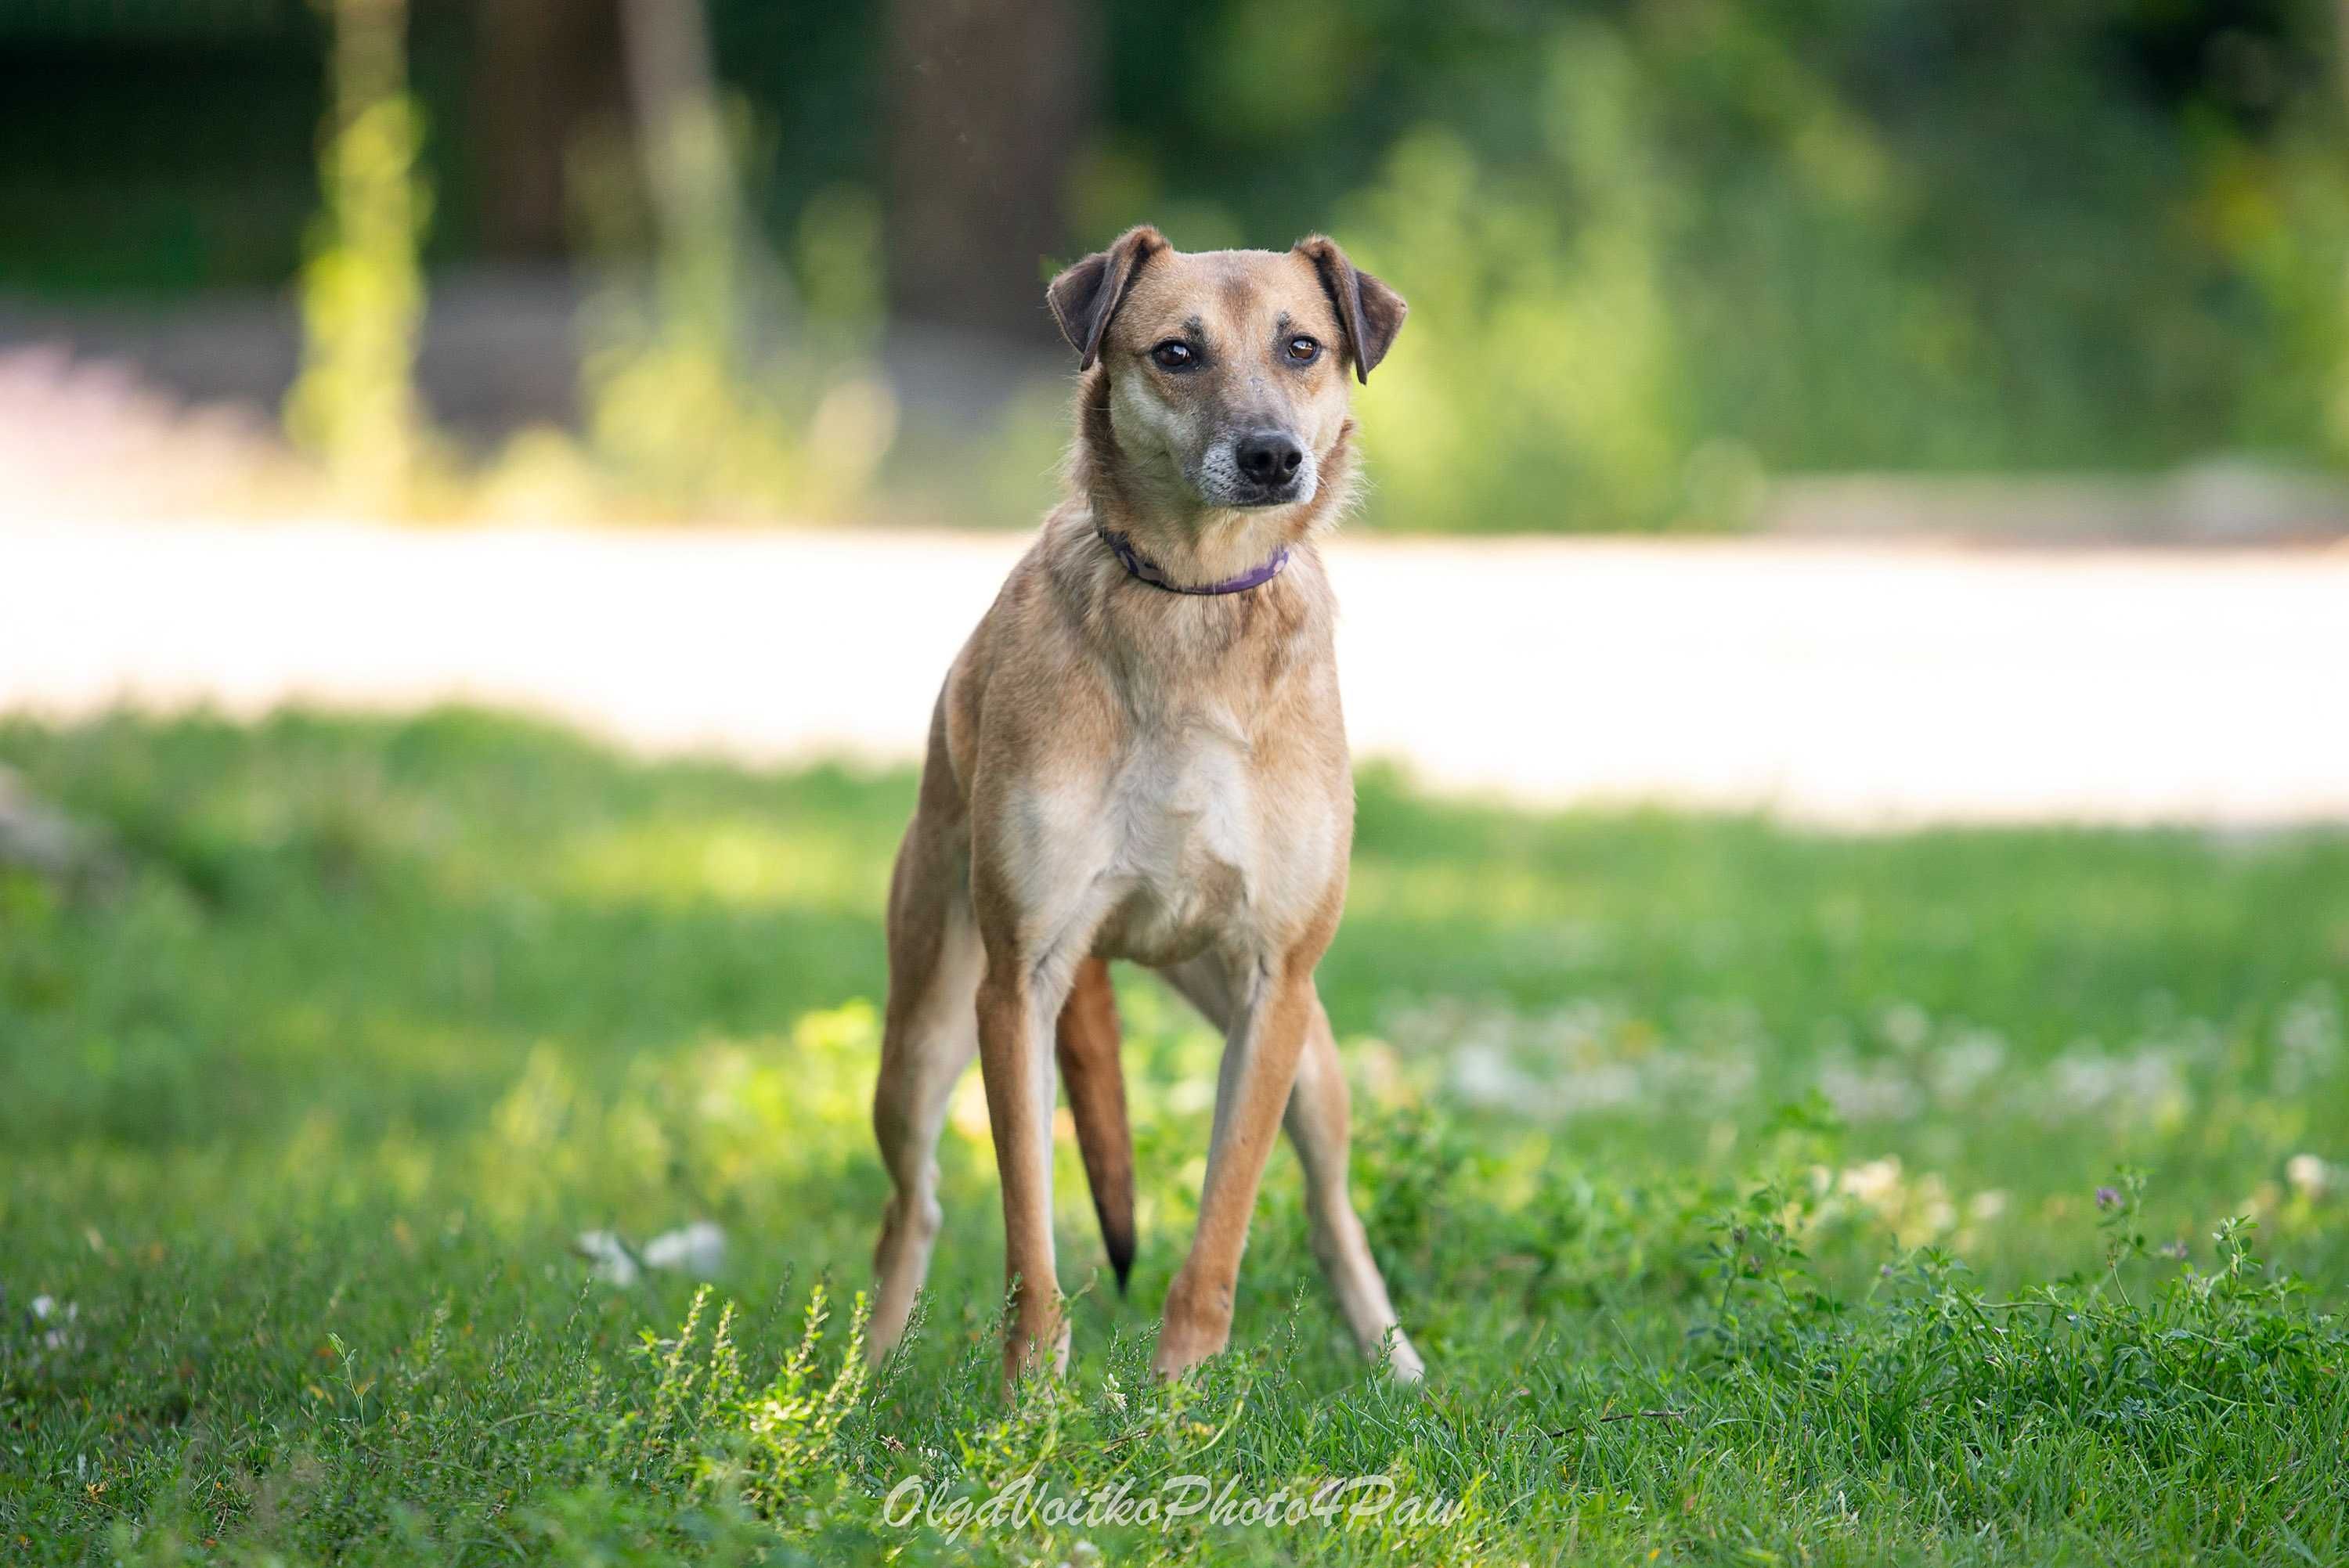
1191 861
1182 805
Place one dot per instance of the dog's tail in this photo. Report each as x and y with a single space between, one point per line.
1088 1042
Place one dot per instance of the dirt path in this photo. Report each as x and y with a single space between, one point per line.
1841 682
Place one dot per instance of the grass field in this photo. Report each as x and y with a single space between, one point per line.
1755 1197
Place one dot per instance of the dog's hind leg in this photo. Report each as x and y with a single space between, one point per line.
928 1037
1318 1123
1088 1044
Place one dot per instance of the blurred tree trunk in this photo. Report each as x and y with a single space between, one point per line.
689 166
545 71
987 103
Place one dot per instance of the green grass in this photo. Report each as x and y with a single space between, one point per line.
1673 1134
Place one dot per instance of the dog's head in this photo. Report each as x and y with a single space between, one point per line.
1223 373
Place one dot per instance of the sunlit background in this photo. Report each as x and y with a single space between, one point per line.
736 259
1841 290
1847 637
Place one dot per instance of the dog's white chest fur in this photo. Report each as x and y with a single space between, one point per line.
1183 831
1175 848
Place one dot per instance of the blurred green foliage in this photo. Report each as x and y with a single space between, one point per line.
362 287
1658 249
719 384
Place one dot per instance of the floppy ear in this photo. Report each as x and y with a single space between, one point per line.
1371 312
1085 295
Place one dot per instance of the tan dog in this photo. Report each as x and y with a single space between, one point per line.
1139 754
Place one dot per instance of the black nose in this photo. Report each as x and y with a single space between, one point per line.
1270 457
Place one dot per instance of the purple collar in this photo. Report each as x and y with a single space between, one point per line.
1142 569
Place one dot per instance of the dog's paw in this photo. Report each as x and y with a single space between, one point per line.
1039 1352
1177 1358
1197 1324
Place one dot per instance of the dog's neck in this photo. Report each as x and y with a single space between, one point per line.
1189 544
1142 569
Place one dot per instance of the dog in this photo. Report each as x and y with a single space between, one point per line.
1139 756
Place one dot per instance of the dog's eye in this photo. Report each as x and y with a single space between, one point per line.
1304 350
1174 355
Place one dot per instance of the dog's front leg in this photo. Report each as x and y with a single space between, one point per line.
1017 1002
1260 1057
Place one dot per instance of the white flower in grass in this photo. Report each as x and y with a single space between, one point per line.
1905 1026
1971 1060
607 1256
54 1321
697 1251
1482 1074
1868 1091
1875 1183
2308 1039
2310 1177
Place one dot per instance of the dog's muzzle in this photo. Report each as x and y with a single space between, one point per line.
1258 467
